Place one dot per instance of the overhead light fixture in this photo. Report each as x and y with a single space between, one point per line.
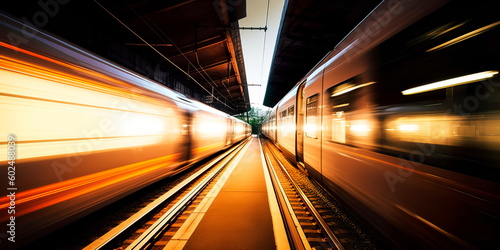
451 82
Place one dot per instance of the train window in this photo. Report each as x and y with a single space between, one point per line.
290 123
291 115
338 105
453 42
350 112
338 124
311 125
283 122
283 114
291 110
287 122
439 92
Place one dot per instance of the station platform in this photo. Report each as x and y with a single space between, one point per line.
240 212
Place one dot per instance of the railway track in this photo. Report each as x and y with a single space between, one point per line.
155 224
310 220
161 224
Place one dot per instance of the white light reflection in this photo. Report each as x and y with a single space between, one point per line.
408 127
451 82
360 128
343 91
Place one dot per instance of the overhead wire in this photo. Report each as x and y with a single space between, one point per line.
210 81
163 56
264 47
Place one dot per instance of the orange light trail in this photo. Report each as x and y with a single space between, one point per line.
206 148
52 194
26 68
68 65
42 72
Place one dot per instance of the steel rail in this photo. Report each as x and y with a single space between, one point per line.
296 236
104 241
156 230
314 212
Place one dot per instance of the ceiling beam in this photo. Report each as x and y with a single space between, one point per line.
209 66
204 44
230 45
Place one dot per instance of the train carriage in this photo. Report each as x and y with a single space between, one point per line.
87 131
401 120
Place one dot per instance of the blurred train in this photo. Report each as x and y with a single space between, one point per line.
85 131
401 121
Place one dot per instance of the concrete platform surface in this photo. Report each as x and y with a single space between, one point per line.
239 216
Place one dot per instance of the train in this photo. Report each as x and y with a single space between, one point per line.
79 131
400 121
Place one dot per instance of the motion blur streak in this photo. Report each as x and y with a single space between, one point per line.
68 65
40 103
451 82
89 132
49 195
30 150
58 77
465 36
206 148
434 226
416 155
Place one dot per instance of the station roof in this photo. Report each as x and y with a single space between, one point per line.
195 42
309 30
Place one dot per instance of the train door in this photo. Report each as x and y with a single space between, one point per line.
299 137
230 131
188 116
311 142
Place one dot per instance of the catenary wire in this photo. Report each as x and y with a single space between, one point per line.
164 57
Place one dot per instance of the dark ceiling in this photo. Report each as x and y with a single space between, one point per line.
192 46
309 30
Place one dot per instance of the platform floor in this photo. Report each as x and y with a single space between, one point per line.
240 214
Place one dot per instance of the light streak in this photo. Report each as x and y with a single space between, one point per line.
451 82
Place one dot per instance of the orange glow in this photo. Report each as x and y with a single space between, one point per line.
29 69
120 88
360 127
39 100
68 65
49 195
465 36
206 148
311 128
408 127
